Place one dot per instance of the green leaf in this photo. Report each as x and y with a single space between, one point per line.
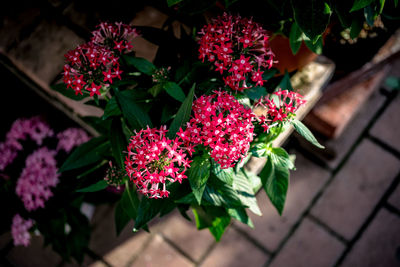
219 226
156 89
275 180
316 47
221 194
112 109
173 2
100 185
311 17
280 157
175 91
393 82
136 117
224 175
68 92
118 142
198 175
260 150
130 202
381 6
240 215
285 83
356 27
245 192
370 14
86 154
121 218
358 4
147 210
183 114
256 92
306 133
143 65
295 38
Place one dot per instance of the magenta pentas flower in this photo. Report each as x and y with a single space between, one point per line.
70 138
239 48
117 36
20 230
222 125
153 160
37 178
288 103
22 129
90 67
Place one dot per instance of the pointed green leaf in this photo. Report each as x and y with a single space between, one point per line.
198 175
311 17
225 175
280 157
316 46
245 192
118 141
86 154
255 93
306 133
147 210
275 180
121 218
222 195
219 226
260 150
143 65
112 109
285 83
183 114
100 185
136 117
295 38
173 2
356 27
175 91
358 4
240 215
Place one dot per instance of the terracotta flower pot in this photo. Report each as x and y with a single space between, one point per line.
286 60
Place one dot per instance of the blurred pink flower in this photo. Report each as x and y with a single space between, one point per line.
20 230
70 138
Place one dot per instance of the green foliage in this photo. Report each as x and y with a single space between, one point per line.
295 38
175 91
143 65
306 133
198 175
100 185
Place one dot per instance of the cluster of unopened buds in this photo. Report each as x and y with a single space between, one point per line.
288 103
93 65
114 176
161 75
153 159
239 48
222 125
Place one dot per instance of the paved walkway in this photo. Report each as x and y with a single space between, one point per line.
343 207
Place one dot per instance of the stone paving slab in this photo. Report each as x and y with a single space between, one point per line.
309 246
160 254
387 128
394 199
336 149
379 245
234 250
185 236
270 229
356 189
33 255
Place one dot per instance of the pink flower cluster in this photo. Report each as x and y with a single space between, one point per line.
34 128
223 125
239 49
90 67
20 230
70 138
116 36
37 178
288 103
94 65
154 159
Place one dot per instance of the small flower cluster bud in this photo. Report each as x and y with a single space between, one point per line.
222 125
161 75
153 159
288 103
239 49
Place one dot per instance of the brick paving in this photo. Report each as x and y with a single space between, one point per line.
343 206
